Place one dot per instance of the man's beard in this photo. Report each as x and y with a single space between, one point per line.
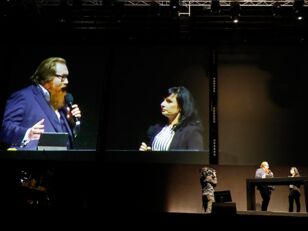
57 98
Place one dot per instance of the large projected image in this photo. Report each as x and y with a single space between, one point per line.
138 96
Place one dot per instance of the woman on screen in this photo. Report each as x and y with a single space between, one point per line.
182 129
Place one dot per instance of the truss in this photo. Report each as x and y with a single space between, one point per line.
203 3
223 3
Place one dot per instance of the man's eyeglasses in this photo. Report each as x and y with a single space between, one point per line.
62 77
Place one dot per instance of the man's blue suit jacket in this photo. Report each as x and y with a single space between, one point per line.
25 108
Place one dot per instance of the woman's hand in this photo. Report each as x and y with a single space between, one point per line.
144 147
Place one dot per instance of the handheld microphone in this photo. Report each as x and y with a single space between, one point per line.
69 99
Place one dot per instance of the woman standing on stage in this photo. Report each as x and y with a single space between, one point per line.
294 192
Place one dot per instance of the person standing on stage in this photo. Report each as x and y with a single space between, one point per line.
208 181
294 192
265 190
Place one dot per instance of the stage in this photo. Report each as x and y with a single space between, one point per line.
85 179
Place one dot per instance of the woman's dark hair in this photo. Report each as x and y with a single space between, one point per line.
186 102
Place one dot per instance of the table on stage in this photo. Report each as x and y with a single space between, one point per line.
252 183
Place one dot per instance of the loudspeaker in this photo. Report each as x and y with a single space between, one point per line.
224 209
